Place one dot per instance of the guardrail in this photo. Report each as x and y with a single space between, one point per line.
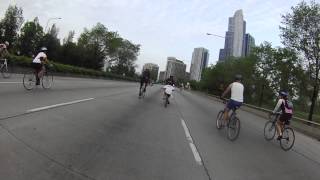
269 111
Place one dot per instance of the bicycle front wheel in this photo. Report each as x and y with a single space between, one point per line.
288 138
29 81
219 120
269 130
47 81
233 128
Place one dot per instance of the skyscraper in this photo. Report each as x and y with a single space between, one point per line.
154 70
200 58
234 39
248 44
175 68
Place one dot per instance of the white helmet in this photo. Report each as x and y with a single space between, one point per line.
43 49
7 43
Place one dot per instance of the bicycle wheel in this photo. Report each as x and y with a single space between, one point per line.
288 138
269 130
233 128
47 81
219 120
29 80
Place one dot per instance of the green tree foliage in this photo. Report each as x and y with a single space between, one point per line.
30 37
301 31
10 24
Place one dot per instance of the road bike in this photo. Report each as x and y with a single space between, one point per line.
288 136
29 79
4 68
232 124
166 99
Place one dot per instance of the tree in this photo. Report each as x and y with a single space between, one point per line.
300 30
52 43
30 38
10 24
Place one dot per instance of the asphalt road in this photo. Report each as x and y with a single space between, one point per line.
99 129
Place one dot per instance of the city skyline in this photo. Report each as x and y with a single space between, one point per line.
200 59
161 31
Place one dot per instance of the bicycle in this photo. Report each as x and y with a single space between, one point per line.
288 136
4 68
29 79
233 123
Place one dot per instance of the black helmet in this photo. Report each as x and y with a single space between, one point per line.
238 77
283 94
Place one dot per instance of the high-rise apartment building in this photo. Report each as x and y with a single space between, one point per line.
175 68
248 44
200 58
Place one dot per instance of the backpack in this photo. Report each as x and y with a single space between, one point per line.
288 107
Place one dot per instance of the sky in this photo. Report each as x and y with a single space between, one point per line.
162 27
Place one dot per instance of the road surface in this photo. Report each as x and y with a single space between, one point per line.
99 130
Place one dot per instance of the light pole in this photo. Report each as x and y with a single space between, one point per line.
210 34
45 30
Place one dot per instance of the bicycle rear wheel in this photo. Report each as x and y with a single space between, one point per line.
219 120
47 81
29 80
269 130
288 138
233 128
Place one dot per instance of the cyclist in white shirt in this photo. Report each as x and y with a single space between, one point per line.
236 99
168 88
4 49
39 62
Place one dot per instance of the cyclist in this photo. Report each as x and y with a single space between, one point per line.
236 99
144 80
4 49
38 63
168 88
285 107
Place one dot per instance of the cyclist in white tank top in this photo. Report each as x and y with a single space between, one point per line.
236 99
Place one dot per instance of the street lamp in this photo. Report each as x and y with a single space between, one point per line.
45 30
210 34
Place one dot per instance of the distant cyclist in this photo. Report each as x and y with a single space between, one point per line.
236 99
4 49
38 63
144 81
168 88
286 109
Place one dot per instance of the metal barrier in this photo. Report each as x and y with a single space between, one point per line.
269 111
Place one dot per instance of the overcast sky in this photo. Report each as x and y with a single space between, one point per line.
162 27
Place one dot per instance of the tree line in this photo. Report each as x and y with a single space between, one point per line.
267 70
92 49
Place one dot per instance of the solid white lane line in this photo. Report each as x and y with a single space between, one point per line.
57 105
10 82
191 144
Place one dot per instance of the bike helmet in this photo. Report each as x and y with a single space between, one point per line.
238 77
7 43
283 94
43 49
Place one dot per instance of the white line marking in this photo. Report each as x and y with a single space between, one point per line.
191 144
10 82
57 105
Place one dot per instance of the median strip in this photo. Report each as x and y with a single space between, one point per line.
191 144
57 105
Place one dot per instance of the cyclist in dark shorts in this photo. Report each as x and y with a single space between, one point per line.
144 81
285 107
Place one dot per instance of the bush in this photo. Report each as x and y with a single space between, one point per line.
23 61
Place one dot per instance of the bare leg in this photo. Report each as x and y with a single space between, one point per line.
226 115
